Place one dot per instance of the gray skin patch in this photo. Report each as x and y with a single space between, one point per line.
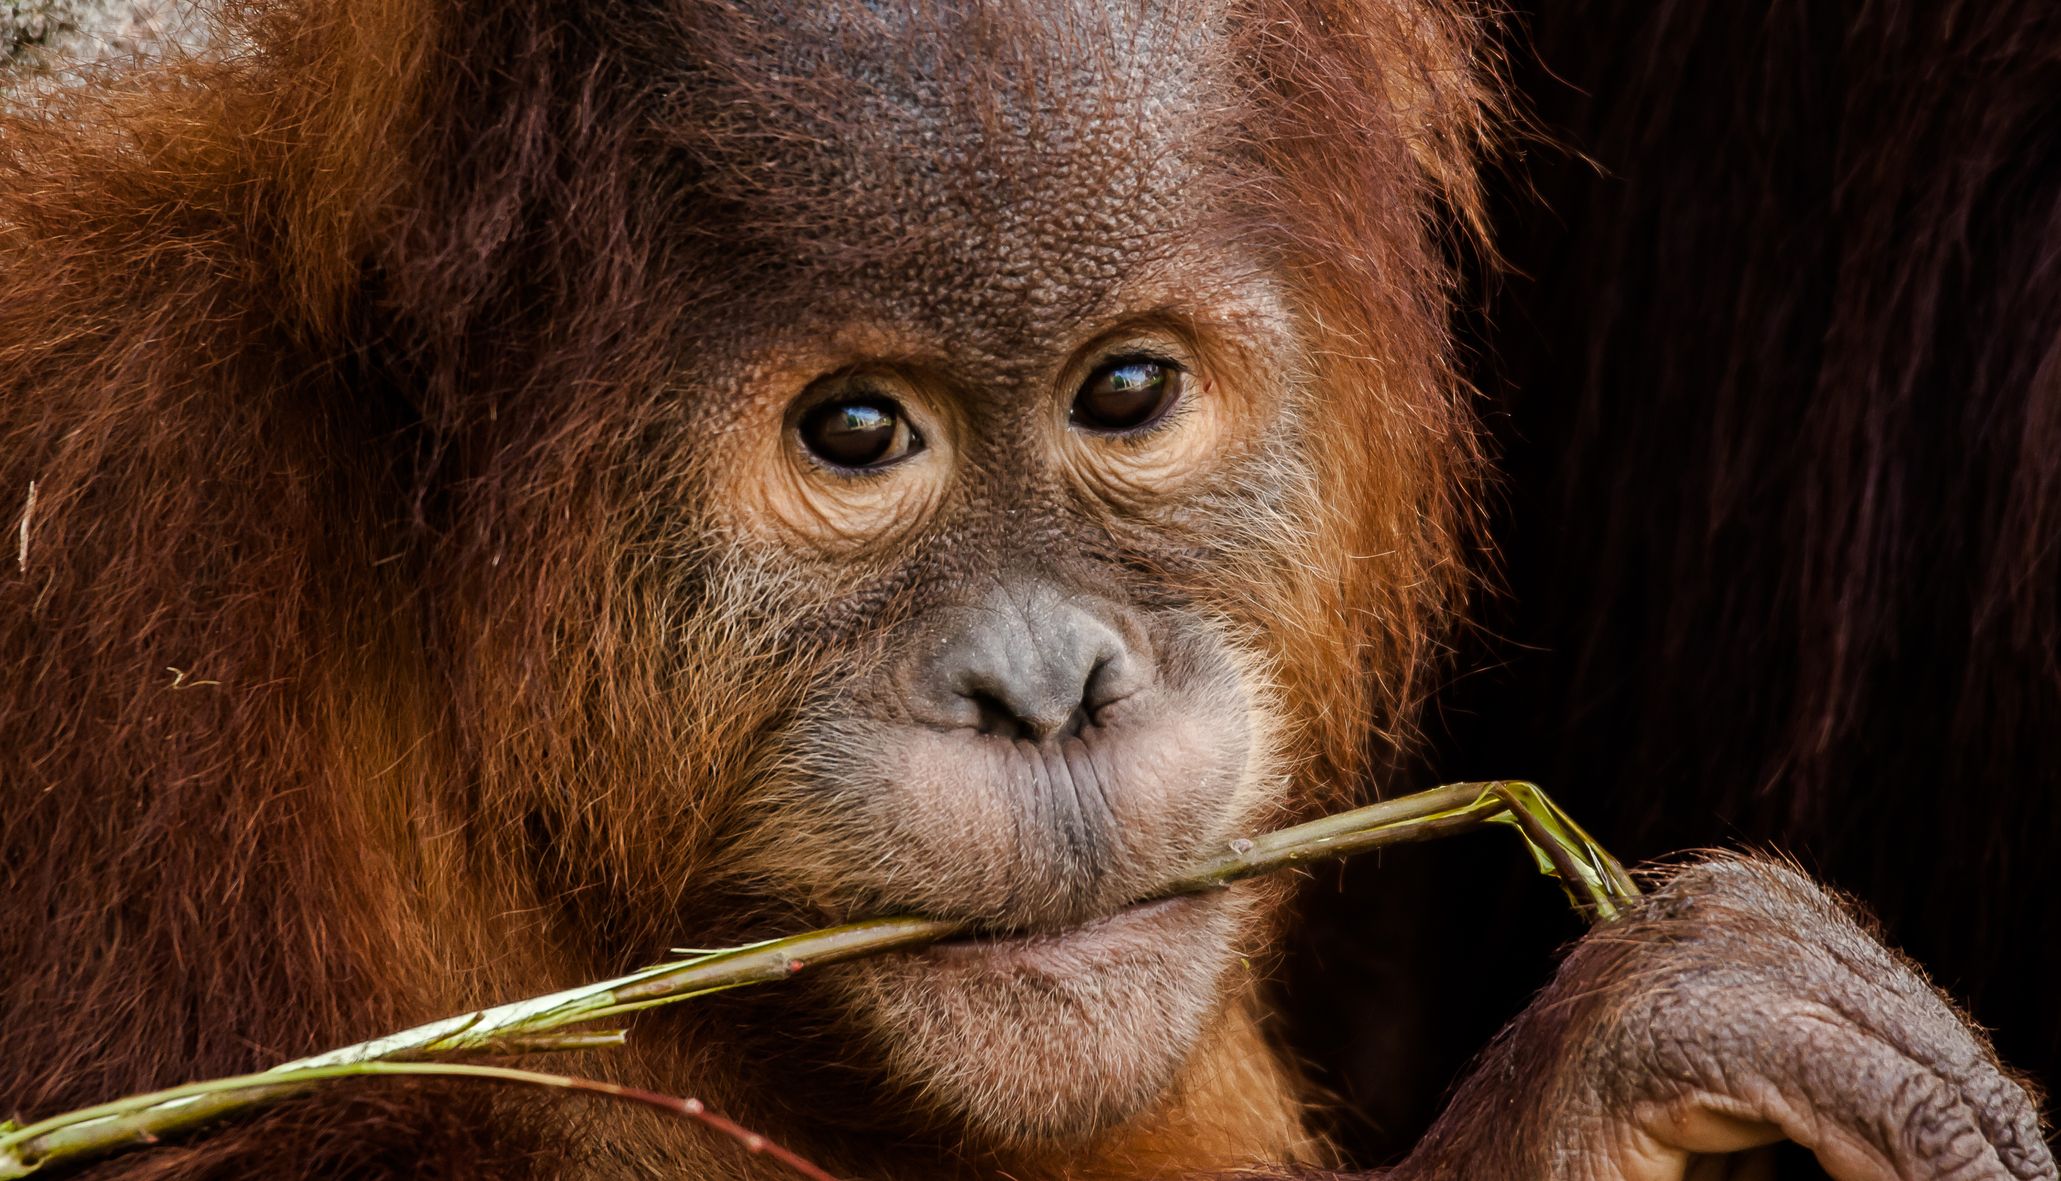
51 45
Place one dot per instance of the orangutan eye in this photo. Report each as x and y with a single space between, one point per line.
1127 394
862 433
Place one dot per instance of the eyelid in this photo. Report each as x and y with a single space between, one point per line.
1132 358
1121 358
843 387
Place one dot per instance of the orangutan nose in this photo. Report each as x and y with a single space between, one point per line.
1030 661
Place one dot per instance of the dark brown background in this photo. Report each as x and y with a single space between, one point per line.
1775 374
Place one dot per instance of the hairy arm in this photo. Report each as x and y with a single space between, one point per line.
1740 1006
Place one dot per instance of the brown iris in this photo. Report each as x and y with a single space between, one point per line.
861 433
1127 394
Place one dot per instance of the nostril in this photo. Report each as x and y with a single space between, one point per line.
1106 685
1058 714
993 716
996 716
1031 664
1075 722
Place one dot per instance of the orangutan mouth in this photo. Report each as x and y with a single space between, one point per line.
1090 945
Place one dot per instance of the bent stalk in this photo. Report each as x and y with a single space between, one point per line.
1594 881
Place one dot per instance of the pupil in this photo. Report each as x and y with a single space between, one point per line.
1124 396
850 434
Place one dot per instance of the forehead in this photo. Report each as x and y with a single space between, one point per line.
1003 165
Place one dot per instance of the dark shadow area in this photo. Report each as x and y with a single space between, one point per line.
1776 388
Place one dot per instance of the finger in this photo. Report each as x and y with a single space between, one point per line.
1870 986
1865 1108
1680 1142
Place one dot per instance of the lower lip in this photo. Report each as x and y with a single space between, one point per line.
1127 929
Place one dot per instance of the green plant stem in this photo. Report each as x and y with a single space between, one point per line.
1595 881
197 1102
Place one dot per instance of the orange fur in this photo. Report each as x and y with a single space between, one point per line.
344 688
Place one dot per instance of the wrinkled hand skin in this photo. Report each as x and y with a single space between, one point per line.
1739 1005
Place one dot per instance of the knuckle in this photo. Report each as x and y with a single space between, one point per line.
1679 1031
1933 1122
2012 1117
1927 1116
1735 873
1729 889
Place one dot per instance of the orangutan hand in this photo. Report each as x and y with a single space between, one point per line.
1738 1006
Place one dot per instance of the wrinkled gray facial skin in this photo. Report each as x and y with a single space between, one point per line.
1050 716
